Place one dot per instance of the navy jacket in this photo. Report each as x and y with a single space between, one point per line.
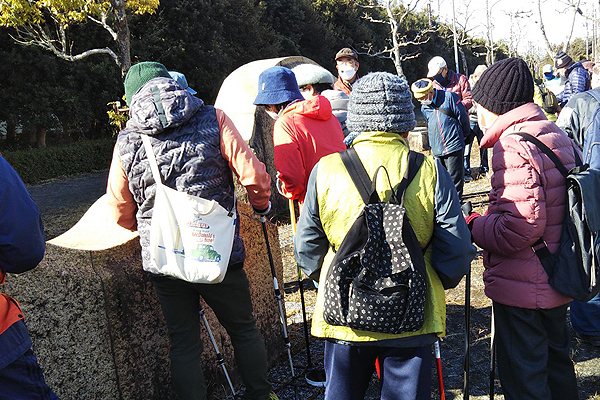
22 246
447 123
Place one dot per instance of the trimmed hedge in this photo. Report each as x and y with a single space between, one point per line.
42 164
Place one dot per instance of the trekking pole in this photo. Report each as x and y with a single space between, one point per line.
313 376
492 356
278 295
438 359
220 360
467 335
467 209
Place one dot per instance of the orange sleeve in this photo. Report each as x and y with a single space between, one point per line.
252 174
120 199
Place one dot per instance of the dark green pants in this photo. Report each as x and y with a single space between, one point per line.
230 300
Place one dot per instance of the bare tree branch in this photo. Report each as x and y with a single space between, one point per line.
543 29
397 12
35 35
102 23
575 10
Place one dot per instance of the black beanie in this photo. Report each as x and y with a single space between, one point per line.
505 85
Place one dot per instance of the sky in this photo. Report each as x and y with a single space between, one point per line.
557 18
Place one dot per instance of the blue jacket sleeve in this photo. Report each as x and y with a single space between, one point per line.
310 242
22 242
451 242
459 109
579 80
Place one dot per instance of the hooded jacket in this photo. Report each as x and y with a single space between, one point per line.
447 133
196 147
305 132
527 201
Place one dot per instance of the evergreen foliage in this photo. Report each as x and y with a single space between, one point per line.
204 39
38 165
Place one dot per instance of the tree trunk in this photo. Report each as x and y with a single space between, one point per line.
463 58
123 36
40 136
28 136
397 57
398 63
11 133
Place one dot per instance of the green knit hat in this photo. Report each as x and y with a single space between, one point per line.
139 74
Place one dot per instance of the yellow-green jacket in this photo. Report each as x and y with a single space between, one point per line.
333 203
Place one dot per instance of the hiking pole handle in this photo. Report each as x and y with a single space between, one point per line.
467 208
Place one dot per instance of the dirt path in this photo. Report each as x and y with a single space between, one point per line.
55 195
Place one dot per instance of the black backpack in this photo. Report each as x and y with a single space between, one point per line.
591 140
549 100
377 279
574 270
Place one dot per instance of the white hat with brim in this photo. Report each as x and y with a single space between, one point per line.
311 74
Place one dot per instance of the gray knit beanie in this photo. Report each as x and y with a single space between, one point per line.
380 101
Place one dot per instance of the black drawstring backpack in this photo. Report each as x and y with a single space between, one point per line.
377 279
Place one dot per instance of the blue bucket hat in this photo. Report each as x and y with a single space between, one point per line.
180 78
277 85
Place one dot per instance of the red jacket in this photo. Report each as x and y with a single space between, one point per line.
458 84
305 132
527 201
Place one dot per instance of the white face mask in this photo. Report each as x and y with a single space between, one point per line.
426 102
347 72
272 114
485 118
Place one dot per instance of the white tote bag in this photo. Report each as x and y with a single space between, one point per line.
190 237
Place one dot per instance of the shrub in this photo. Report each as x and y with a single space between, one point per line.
41 164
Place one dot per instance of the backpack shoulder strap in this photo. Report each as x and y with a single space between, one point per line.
539 247
594 94
415 160
357 172
448 113
546 150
